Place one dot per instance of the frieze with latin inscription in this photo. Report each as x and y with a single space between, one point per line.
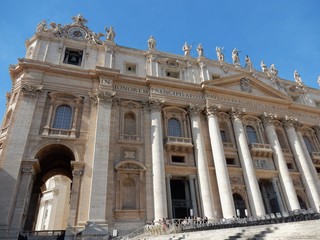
280 110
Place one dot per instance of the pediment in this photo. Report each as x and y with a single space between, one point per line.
245 84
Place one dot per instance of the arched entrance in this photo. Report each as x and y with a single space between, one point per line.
55 165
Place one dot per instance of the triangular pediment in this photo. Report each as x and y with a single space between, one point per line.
246 84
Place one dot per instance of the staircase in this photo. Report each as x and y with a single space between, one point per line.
282 231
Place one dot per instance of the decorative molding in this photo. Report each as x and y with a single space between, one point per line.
245 85
291 121
212 110
268 118
236 112
154 104
31 90
100 95
195 109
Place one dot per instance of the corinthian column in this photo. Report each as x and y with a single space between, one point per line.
98 203
280 161
252 186
221 170
302 162
159 184
201 160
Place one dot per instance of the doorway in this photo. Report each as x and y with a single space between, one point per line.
180 196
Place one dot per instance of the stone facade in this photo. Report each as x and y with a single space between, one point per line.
145 135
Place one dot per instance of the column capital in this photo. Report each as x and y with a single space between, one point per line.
154 104
100 95
195 109
30 166
236 112
77 168
31 90
268 118
212 109
291 121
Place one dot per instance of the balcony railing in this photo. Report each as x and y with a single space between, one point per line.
260 150
57 234
315 156
178 144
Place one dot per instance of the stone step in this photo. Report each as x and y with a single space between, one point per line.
281 231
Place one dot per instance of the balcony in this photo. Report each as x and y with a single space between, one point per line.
228 145
178 144
315 156
59 133
260 150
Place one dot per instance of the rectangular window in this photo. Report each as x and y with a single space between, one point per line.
231 161
223 135
131 68
177 159
172 74
290 166
73 56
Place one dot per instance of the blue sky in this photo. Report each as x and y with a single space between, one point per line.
283 32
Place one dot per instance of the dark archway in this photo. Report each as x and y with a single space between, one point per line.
240 205
54 160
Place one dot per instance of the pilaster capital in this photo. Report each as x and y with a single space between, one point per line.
212 110
195 109
236 113
291 122
31 90
77 168
268 118
30 166
100 95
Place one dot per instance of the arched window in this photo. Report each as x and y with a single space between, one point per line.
174 127
308 144
130 123
63 117
252 135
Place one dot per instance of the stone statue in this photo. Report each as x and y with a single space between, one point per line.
95 38
297 77
110 33
152 42
186 48
264 67
220 54
248 63
200 50
273 70
235 56
42 26
56 29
